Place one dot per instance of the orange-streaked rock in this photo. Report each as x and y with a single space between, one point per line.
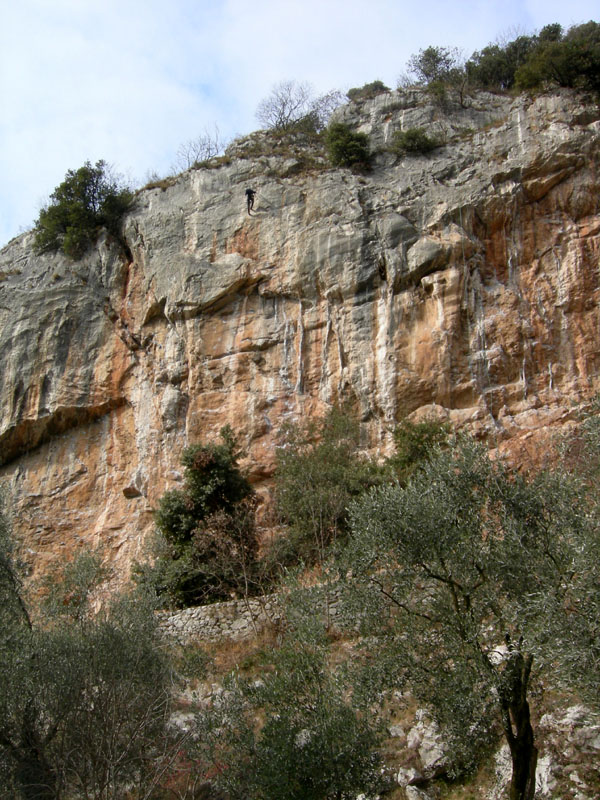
463 283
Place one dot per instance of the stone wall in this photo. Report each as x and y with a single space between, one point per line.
234 619
239 619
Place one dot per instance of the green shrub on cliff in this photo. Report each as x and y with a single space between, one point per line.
207 545
368 91
345 147
413 140
88 200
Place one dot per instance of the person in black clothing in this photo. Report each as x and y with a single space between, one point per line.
250 198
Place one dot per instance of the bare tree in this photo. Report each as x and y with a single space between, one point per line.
324 106
291 103
206 145
288 102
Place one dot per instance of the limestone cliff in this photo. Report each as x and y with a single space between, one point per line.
466 279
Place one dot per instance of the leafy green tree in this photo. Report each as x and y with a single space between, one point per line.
433 64
294 733
88 200
465 566
572 60
551 57
345 147
207 545
438 69
84 699
318 471
495 67
414 443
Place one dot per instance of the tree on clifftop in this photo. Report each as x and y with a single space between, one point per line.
292 106
89 199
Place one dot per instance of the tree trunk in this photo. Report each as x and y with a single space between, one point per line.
35 777
523 754
516 722
33 772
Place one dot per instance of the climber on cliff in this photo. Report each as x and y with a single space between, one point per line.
250 198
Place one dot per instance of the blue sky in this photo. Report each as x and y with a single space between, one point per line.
130 80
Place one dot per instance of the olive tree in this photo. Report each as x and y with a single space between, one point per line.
460 573
295 733
84 699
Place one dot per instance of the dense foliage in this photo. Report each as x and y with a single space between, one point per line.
469 580
345 147
551 57
84 698
571 59
414 141
312 743
206 547
466 572
87 201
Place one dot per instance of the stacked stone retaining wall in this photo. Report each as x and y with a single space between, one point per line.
234 619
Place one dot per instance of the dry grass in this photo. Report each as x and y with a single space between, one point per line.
248 656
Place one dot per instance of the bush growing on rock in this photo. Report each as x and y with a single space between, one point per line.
414 141
368 91
345 147
207 545
88 200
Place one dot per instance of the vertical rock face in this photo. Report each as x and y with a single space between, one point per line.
465 280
